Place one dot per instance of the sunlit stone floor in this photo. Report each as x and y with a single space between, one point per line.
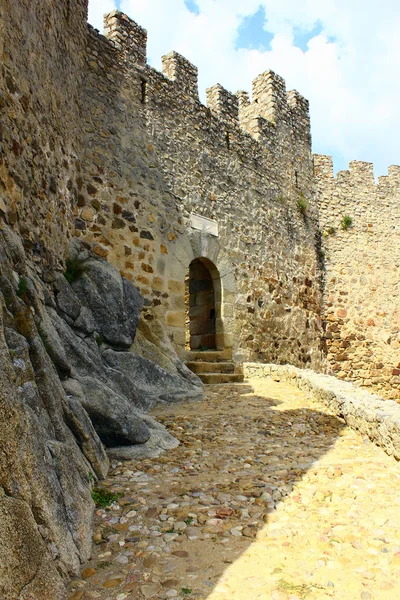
267 497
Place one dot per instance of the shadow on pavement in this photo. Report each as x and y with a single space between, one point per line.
241 454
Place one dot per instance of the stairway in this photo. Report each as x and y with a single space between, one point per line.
213 366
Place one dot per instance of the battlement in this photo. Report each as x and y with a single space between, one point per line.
177 68
223 104
360 173
127 36
269 94
270 101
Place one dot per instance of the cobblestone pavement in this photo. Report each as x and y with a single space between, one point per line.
267 497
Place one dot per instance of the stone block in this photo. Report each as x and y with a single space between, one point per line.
176 287
175 319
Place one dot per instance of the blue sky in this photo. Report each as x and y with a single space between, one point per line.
344 56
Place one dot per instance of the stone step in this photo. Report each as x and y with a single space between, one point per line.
209 355
221 377
211 367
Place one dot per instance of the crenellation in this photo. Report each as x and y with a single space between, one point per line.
300 110
223 104
384 187
362 173
243 99
296 100
323 166
269 94
177 68
394 175
127 36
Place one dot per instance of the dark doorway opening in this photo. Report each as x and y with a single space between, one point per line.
201 314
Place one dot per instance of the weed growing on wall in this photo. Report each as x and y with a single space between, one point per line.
346 222
302 204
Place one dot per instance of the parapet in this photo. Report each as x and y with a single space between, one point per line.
127 36
271 106
223 104
178 68
359 176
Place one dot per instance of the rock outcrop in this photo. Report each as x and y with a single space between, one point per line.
69 385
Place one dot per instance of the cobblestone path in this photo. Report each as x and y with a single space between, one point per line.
267 497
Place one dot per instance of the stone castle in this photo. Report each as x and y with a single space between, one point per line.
236 236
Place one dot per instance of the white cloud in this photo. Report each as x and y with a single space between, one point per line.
349 72
98 8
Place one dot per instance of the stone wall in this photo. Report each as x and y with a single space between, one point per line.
154 155
42 49
362 273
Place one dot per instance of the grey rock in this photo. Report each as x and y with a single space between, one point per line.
114 303
159 441
52 341
152 381
66 299
81 426
115 419
85 321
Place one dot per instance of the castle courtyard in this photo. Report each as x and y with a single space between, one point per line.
268 496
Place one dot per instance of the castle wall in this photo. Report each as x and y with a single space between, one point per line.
42 53
361 298
155 155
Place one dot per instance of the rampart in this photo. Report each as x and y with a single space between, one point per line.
362 269
155 155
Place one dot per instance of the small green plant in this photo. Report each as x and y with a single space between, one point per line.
302 204
23 287
302 591
75 267
104 498
203 348
189 520
346 222
281 198
90 477
12 354
329 231
186 591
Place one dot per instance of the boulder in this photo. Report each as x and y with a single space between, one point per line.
113 301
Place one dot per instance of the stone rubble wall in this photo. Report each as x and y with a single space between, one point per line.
362 274
154 154
371 415
39 121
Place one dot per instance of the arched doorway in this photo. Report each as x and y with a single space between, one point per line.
203 305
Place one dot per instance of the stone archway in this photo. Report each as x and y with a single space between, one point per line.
203 305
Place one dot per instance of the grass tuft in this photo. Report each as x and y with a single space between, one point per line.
346 222
302 204
104 498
